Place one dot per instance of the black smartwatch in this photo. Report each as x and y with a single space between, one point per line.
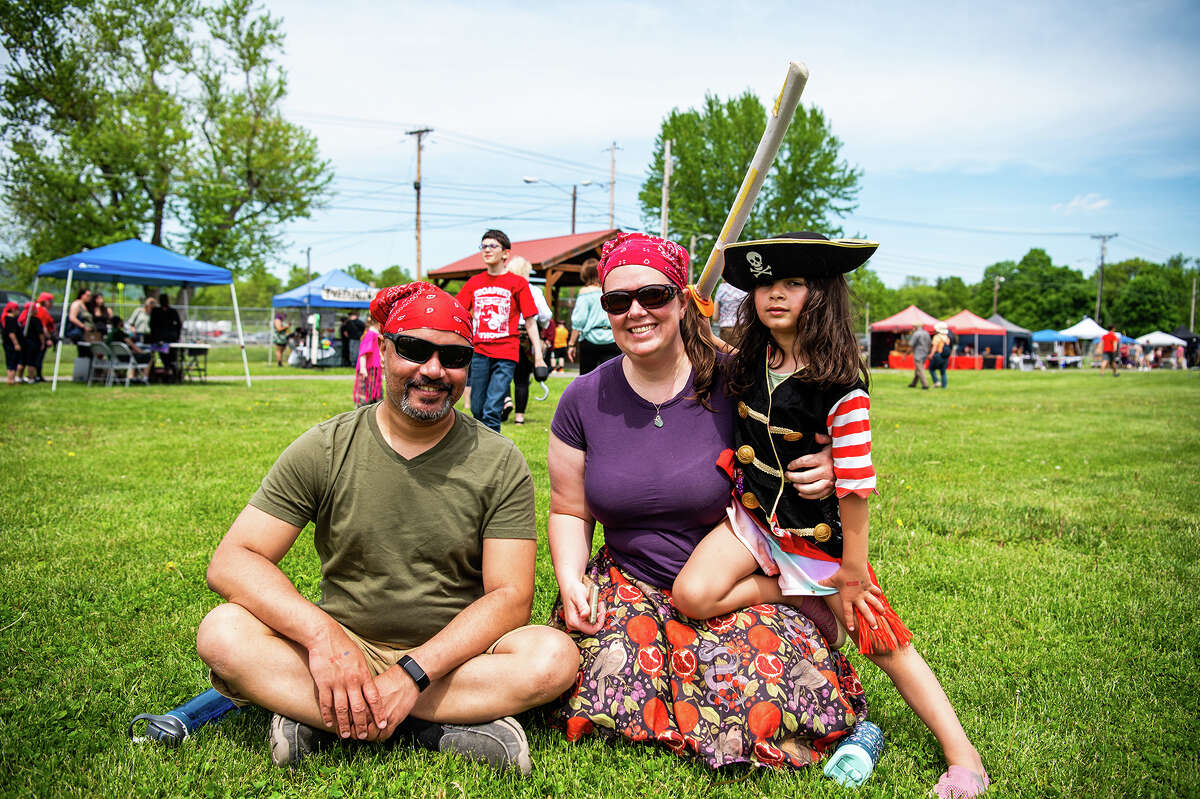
414 670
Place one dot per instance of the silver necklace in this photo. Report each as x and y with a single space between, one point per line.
658 420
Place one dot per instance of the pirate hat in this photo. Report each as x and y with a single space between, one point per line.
806 254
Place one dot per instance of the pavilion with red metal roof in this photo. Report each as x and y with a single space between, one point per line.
557 259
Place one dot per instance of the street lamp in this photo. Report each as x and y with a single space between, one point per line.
574 193
996 292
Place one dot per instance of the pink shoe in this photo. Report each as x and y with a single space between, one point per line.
960 782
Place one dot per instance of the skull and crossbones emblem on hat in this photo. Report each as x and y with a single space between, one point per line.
757 267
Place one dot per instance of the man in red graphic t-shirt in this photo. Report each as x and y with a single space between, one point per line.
497 299
1108 345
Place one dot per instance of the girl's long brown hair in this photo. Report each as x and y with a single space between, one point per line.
825 344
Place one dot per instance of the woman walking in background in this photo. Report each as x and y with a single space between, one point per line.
368 383
279 336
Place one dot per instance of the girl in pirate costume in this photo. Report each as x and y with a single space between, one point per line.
796 372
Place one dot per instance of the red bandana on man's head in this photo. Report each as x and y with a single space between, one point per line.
641 249
45 296
417 305
9 308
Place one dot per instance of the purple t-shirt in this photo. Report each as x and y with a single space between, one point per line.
656 490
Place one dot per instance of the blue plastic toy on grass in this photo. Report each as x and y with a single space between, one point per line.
851 765
172 727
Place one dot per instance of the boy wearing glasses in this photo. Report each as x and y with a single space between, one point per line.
497 299
425 530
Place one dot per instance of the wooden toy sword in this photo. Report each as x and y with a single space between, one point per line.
764 156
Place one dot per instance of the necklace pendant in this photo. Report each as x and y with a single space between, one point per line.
658 420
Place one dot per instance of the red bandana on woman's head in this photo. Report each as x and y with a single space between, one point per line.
641 249
10 308
416 305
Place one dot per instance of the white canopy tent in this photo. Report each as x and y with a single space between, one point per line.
1086 329
1160 339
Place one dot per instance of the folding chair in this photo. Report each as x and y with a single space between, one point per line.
123 358
102 361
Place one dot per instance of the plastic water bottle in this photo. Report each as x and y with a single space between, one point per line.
171 728
855 759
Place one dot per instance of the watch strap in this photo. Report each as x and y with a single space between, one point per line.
414 670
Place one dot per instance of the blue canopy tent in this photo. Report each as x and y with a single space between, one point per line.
134 261
334 289
1051 337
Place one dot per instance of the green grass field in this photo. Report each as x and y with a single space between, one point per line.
1038 532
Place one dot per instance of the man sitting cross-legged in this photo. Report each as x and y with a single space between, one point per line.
425 530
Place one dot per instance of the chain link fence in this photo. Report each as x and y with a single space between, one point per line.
214 324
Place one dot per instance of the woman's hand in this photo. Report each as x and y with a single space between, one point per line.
856 592
812 475
576 609
571 353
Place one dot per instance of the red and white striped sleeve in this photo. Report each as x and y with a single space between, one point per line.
850 428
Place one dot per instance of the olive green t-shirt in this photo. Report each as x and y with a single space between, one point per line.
400 541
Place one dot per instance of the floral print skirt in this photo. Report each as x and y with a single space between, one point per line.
758 686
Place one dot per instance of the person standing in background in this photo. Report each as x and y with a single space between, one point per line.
13 356
1108 345
921 343
591 339
729 302
38 336
522 268
139 320
497 300
368 378
355 328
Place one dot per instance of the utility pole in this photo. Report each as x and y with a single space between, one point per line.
574 192
996 292
666 187
420 134
312 358
612 181
1104 237
1192 324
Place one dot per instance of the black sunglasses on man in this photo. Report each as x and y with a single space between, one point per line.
418 350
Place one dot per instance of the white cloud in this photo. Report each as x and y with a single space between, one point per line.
1083 203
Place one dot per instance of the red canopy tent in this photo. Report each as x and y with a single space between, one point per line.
906 320
965 323
885 332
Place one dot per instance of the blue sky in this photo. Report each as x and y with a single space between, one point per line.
982 129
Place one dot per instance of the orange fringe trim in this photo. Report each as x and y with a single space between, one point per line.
891 635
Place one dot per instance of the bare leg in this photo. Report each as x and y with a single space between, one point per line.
528 668
719 578
921 690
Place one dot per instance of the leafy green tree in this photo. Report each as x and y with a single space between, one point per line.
870 299
1037 294
114 128
393 276
254 170
1145 304
808 187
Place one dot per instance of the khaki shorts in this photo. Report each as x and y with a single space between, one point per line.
380 657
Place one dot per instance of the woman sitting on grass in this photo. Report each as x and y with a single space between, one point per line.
633 446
